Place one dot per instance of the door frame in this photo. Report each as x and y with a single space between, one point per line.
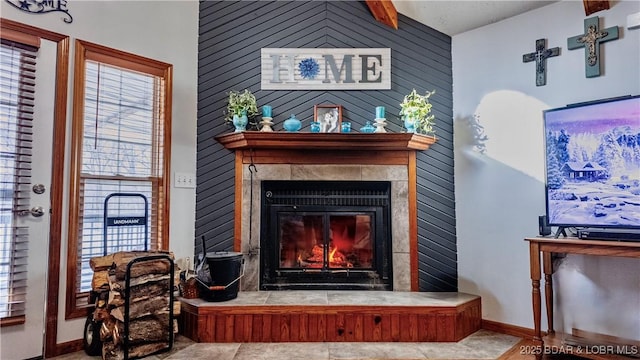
51 346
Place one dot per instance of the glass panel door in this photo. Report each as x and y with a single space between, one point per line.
325 241
351 241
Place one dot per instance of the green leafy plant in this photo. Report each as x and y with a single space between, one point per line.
241 102
417 107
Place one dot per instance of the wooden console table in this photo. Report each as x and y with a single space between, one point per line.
547 246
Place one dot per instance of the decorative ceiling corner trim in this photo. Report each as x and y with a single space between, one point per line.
590 41
42 7
593 6
540 56
384 11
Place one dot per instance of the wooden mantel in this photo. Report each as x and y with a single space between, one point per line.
330 141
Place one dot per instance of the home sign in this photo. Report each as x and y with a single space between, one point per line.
326 69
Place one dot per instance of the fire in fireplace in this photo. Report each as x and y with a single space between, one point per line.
325 235
302 241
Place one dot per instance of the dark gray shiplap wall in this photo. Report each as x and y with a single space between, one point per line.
231 36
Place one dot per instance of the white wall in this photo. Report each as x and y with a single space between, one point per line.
161 30
501 193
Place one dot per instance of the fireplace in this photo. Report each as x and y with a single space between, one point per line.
298 156
325 235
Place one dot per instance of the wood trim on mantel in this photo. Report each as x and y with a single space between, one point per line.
254 147
327 141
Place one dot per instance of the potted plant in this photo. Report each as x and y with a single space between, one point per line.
241 107
415 110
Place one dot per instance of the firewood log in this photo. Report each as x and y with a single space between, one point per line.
145 278
122 257
147 329
104 262
119 285
146 308
142 268
157 305
177 307
111 351
140 292
100 278
107 329
101 314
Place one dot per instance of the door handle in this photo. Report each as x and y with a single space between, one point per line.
37 211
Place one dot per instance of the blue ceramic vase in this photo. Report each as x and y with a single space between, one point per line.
410 124
315 127
240 122
292 124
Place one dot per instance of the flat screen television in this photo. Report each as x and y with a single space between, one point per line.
593 164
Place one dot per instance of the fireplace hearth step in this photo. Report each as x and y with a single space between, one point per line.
333 316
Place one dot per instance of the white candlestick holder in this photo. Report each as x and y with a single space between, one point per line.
380 124
266 124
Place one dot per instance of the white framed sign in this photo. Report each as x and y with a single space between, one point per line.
326 69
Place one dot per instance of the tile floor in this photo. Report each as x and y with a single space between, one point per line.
480 345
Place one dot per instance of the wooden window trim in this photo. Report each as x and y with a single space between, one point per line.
122 59
12 321
21 38
88 51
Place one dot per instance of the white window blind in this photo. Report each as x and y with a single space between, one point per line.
17 88
122 152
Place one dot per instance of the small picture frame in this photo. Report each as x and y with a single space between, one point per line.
329 117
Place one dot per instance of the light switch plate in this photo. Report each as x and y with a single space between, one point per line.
184 180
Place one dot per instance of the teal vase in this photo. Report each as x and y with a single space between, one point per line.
367 128
292 124
240 122
410 124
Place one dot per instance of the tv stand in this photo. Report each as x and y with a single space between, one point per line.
561 230
546 247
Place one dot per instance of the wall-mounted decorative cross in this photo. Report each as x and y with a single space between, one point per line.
591 40
540 56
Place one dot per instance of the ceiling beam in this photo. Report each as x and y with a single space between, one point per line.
593 6
384 11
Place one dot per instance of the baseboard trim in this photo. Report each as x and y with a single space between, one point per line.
508 329
69 347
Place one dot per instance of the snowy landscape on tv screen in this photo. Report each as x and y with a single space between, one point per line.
593 164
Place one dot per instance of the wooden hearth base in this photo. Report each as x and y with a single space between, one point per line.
392 321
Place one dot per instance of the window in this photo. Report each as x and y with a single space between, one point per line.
120 152
17 84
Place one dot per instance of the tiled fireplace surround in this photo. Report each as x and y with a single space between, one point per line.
396 174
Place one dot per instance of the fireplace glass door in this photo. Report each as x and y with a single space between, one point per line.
326 240
325 235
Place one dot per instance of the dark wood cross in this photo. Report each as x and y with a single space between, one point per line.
591 40
540 56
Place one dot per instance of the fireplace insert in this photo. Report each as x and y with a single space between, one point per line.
325 235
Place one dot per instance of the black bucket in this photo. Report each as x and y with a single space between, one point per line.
225 269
